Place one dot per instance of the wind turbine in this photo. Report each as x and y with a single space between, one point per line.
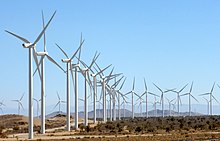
20 105
170 103
95 90
85 73
162 97
31 47
37 101
146 93
155 106
178 97
44 54
68 62
210 97
207 105
2 104
132 92
104 80
59 102
190 95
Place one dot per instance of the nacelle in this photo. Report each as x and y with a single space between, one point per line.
27 45
41 53
65 60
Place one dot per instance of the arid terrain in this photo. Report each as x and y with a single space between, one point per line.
15 127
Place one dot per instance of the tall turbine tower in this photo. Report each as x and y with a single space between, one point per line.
68 62
31 47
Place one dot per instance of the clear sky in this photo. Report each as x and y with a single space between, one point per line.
170 43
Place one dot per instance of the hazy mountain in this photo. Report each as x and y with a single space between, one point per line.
128 113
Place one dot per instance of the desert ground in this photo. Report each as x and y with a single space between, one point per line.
14 127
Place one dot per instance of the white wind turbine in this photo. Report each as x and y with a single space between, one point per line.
132 92
146 93
207 105
170 103
190 95
95 90
85 73
104 80
37 101
155 106
178 98
210 97
162 97
20 105
59 103
31 47
44 54
68 62
2 104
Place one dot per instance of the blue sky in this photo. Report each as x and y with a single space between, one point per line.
170 43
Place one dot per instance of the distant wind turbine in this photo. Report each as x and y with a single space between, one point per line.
170 103
210 97
59 102
207 105
20 105
190 95
178 98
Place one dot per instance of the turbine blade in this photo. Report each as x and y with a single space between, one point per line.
58 95
41 60
42 32
56 105
145 84
80 48
62 50
183 88
103 69
191 87
215 99
19 37
158 88
53 61
77 50
194 98
36 62
22 97
21 105
213 87
133 83
204 94
153 94
122 84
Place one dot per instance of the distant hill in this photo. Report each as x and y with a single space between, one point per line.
128 113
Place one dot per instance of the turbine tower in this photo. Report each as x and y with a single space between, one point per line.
68 62
31 47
